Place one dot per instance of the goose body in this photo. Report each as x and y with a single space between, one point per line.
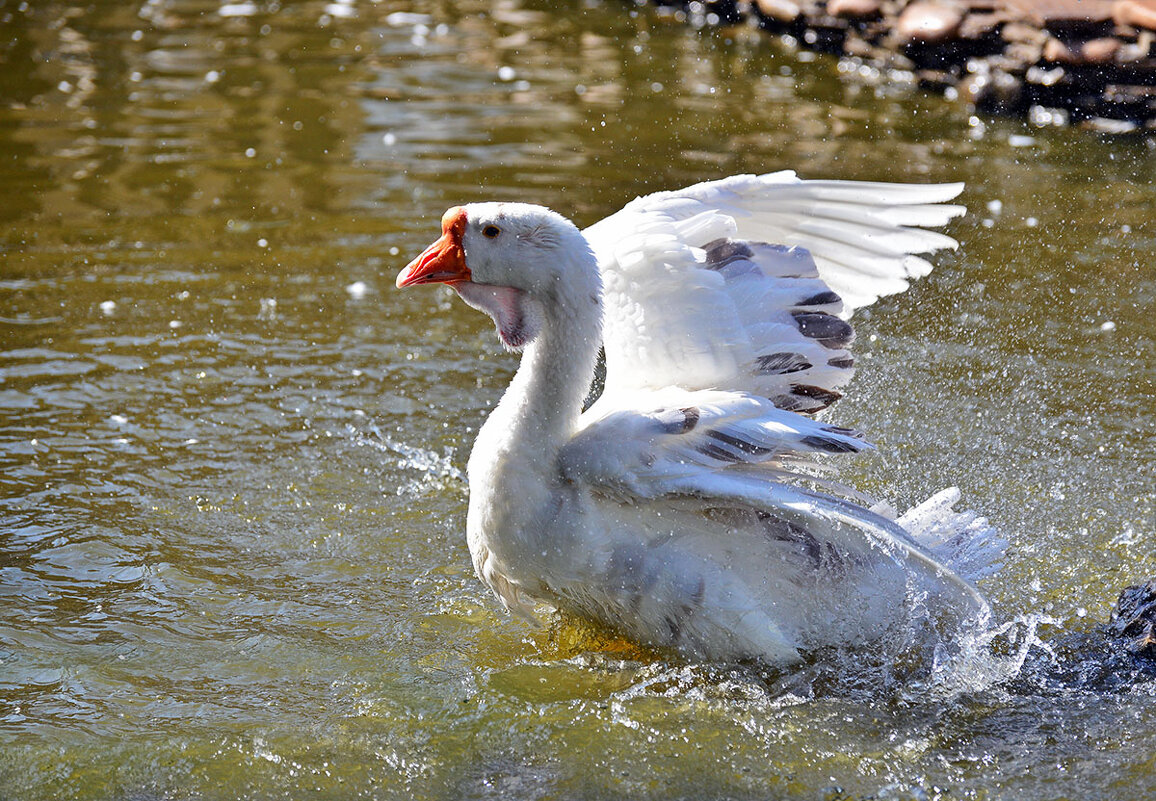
684 508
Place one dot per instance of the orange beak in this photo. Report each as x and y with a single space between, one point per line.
444 261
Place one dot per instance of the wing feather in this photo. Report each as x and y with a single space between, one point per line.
855 528
638 445
708 286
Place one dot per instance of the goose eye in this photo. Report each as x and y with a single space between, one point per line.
491 231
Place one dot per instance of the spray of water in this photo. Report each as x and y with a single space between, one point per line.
431 465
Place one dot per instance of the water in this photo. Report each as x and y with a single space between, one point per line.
231 551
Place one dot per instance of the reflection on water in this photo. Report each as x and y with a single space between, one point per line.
231 551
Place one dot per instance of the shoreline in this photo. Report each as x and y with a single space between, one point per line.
1089 63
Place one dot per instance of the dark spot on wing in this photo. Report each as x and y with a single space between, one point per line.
826 329
781 363
742 445
679 421
825 397
715 452
821 554
845 362
821 299
786 531
792 403
691 416
829 445
722 252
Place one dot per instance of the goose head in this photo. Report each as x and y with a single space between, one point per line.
519 263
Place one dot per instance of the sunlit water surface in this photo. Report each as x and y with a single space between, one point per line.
231 547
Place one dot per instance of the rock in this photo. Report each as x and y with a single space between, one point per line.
1137 13
855 9
1141 56
1021 32
1091 52
1100 51
1134 619
929 22
977 25
1068 15
1059 53
783 11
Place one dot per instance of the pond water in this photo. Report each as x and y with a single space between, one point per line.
232 554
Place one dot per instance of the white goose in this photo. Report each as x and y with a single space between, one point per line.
676 509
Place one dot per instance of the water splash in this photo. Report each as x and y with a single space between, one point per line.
972 660
432 465
985 657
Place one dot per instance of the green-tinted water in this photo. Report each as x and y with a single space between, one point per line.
231 547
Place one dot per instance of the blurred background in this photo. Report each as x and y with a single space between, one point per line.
232 509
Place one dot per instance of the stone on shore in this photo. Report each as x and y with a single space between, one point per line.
929 21
855 9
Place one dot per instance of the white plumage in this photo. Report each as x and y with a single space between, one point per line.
685 507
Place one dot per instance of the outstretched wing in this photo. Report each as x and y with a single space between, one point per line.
746 283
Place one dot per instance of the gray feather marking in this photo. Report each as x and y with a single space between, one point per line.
821 299
745 446
715 452
722 252
678 421
829 445
825 397
781 363
826 329
691 418
792 403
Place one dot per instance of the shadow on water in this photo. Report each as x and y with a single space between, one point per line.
231 495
